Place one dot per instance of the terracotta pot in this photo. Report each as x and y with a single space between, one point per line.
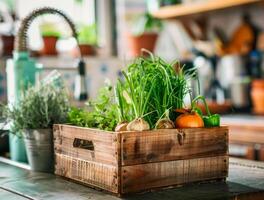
49 47
146 41
257 95
86 50
8 44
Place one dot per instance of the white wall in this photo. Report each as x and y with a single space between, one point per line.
79 13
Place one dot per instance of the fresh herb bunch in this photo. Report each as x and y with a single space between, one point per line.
151 88
101 113
39 108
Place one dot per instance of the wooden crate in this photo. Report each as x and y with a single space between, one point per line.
128 162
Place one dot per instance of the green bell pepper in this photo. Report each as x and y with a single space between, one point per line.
212 120
209 120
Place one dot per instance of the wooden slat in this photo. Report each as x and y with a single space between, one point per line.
101 153
164 145
105 144
86 172
199 7
168 154
154 175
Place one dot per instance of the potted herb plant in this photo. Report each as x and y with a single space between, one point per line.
87 39
50 35
145 34
33 117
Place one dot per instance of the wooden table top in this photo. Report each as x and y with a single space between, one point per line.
245 181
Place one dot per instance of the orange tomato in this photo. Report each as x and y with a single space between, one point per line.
189 120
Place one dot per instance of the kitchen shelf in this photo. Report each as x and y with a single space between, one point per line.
180 10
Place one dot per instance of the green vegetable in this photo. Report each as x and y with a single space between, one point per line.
149 88
101 113
212 120
209 120
152 87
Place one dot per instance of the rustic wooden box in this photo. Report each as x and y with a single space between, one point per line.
128 162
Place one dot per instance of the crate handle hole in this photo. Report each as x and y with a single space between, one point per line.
181 138
83 144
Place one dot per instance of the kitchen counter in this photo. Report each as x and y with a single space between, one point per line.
246 135
243 120
245 181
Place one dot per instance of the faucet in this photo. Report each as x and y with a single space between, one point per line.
21 37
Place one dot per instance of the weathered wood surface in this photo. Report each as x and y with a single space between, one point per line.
104 144
128 162
172 144
245 181
122 162
92 173
154 175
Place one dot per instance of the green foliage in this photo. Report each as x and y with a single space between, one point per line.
147 23
102 113
87 34
49 29
39 108
151 88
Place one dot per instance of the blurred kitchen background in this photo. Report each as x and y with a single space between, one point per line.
223 39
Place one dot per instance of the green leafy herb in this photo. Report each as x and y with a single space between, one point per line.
101 113
39 108
149 90
152 87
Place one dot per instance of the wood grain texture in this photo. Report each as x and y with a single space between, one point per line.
245 179
199 7
152 175
172 144
92 173
105 144
127 162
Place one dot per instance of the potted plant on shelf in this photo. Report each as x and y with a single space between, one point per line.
33 117
87 40
145 34
50 35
